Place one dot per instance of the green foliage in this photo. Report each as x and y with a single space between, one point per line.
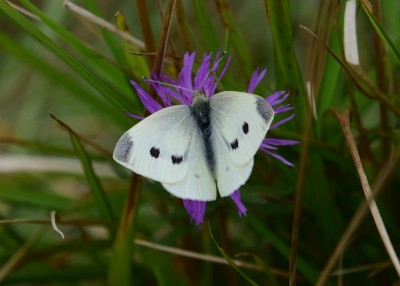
55 60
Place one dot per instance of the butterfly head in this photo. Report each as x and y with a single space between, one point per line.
198 97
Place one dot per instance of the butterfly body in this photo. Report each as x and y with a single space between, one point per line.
200 110
194 149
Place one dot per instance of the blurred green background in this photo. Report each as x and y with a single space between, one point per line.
116 225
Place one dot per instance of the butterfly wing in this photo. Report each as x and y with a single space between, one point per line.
199 183
243 120
240 122
230 176
158 146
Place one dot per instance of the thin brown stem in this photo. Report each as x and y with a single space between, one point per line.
381 179
357 74
305 148
380 57
82 138
147 31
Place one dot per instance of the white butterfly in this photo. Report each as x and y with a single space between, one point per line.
194 149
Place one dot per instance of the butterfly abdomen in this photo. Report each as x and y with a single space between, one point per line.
200 110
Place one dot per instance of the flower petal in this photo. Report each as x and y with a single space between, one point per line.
134 116
277 97
149 103
195 209
280 142
185 77
280 122
228 61
202 71
283 108
241 209
280 158
255 80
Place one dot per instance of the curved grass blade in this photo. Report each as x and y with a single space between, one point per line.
207 30
381 32
235 35
279 18
111 42
137 64
42 199
120 268
107 66
34 61
74 64
309 272
100 198
229 260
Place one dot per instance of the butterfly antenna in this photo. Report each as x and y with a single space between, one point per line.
166 84
224 53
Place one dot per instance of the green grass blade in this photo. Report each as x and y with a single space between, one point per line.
27 57
106 65
74 64
39 198
305 268
101 200
120 268
206 28
229 260
381 32
108 37
137 64
236 37
280 22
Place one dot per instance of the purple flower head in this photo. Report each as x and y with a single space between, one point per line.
205 82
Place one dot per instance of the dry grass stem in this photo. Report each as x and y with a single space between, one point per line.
54 224
344 120
104 24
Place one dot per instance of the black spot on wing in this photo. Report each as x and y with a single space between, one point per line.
124 148
176 159
235 144
245 128
264 109
154 152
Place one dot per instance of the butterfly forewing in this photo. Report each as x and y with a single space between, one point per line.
243 120
158 146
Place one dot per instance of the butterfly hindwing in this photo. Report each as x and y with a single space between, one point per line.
243 120
229 175
158 146
199 183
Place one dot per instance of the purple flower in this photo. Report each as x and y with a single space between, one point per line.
182 91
